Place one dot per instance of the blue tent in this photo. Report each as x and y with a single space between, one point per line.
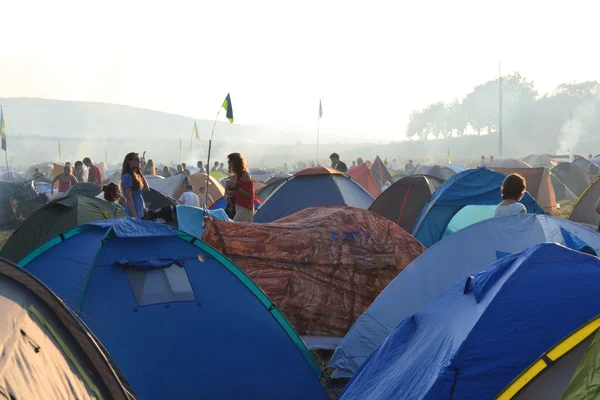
462 200
179 319
478 336
445 264
312 187
191 219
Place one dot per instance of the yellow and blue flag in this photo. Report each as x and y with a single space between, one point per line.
3 129
320 109
59 154
227 106
449 159
195 131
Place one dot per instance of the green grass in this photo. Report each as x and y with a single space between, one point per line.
565 209
4 235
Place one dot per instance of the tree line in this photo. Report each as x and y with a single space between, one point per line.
527 114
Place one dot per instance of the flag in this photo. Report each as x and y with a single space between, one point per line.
320 109
59 155
195 131
3 129
449 159
227 106
180 149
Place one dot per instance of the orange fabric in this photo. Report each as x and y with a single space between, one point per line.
322 266
318 171
215 189
362 174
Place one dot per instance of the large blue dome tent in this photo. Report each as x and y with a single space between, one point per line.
445 264
473 340
179 318
468 197
319 186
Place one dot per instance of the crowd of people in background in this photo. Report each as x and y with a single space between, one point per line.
239 185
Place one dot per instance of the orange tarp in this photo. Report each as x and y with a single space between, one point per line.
362 174
322 266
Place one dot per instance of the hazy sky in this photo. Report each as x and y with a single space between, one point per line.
370 62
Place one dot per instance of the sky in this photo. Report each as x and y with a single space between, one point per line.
371 63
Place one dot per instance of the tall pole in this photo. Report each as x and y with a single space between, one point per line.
208 158
318 121
7 168
191 141
500 112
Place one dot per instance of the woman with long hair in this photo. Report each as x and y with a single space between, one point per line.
241 187
133 182
149 169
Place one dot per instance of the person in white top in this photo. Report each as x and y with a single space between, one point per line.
513 190
189 198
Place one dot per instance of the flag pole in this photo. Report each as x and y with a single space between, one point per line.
499 111
572 152
7 168
318 122
208 159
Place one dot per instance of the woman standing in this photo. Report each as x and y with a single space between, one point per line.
149 169
242 188
65 181
133 182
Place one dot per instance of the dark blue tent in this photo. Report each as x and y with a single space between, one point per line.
319 186
463 200
478 336
178 318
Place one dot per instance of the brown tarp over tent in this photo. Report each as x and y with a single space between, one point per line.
584 210
322 266
539 185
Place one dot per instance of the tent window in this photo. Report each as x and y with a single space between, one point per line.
161 285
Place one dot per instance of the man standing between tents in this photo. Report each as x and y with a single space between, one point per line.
94 175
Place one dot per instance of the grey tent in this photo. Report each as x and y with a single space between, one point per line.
584 210
47 352
18 200
574 178
402 202
84 189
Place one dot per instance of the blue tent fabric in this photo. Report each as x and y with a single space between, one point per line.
471 345
197 329
221 204
191 219
442 266
472 188
575 243
301 192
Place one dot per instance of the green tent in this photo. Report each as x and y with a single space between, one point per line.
568 371
218 175
53 219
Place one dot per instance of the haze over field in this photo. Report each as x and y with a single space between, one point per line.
372 65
